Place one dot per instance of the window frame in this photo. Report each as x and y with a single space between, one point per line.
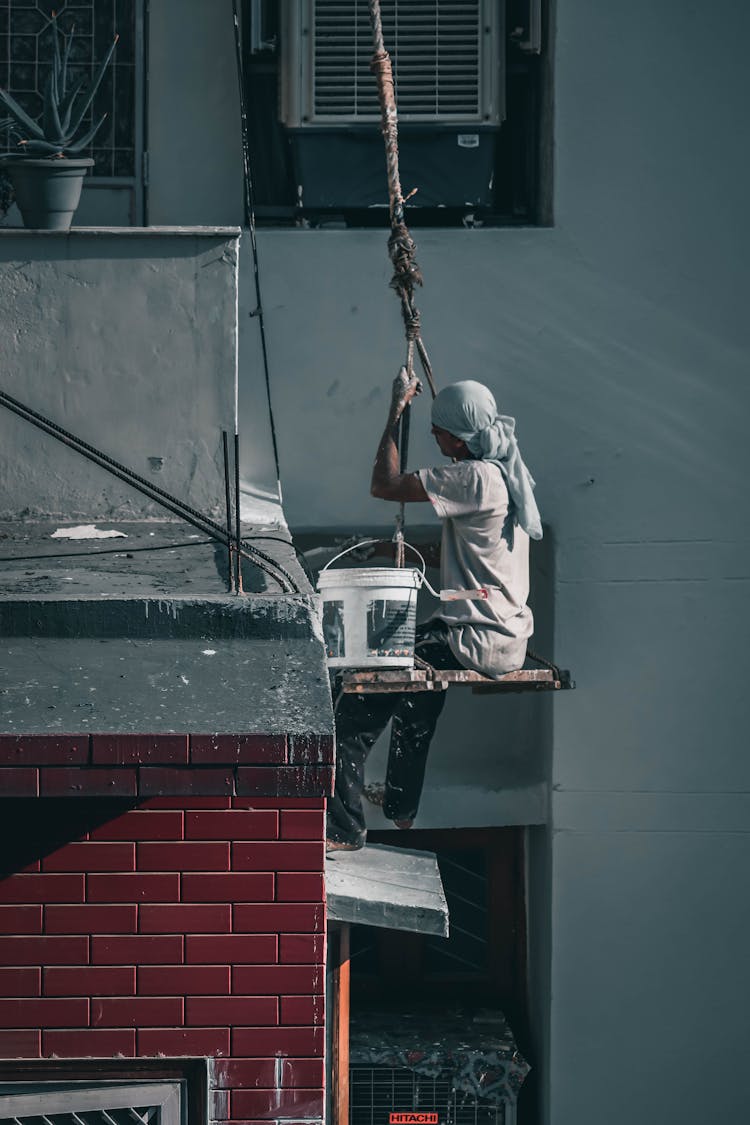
192 1073
523 167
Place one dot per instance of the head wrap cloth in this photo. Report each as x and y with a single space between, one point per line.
468 411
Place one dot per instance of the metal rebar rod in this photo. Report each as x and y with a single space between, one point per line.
151 491
198 521
106 462
249 203
237 513
228 500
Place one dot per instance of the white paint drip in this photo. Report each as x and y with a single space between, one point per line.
278 1070
87 531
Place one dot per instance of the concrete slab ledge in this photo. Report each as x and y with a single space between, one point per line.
256 616
124 232
166 749
121 685
173 765
396 888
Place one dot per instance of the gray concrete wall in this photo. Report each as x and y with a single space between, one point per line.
619 340
127 340
195 166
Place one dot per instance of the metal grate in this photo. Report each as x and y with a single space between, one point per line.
81 1103
133 1115
26 45
374 1092
436 50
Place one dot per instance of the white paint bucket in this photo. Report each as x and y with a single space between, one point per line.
369 616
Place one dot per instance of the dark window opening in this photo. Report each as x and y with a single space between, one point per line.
483 961
473 88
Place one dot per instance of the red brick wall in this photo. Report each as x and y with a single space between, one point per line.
190 926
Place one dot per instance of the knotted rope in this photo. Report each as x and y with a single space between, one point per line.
402 248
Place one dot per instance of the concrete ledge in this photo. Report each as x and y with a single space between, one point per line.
396 888
124 232
166 749
60 687
148 765
258 617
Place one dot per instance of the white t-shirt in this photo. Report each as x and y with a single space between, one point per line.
471 499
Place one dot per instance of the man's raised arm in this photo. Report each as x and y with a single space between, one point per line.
388 482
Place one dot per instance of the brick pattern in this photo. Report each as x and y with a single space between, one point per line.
154 765
188 926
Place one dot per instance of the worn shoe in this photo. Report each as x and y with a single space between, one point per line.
344 846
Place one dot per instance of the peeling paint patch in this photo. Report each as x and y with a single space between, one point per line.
87 531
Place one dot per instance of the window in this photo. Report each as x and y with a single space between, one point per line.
471 80
104 1091
113 193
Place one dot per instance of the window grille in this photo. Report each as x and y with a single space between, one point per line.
83 1103
374 1092
26 46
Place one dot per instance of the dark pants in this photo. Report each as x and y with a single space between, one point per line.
361 719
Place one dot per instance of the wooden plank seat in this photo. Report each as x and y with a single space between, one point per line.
378 681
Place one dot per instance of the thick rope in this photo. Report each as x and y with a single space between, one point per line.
401 246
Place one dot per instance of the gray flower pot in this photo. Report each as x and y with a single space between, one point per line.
48 189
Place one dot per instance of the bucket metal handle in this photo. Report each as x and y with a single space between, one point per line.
366 543
442 595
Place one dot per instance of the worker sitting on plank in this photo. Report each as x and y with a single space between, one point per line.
485 500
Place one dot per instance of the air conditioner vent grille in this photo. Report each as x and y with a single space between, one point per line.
435 46
374 1092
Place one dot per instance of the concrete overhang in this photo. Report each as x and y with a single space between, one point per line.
396 888
140 661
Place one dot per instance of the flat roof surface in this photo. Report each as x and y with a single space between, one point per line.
136 640
144 558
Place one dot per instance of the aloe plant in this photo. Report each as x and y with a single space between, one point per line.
65 106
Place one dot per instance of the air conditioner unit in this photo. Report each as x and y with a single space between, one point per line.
375 1092
448 59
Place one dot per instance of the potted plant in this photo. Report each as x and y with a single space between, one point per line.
47 169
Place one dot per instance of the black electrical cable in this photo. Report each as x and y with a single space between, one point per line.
147 488
249 202
124 550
